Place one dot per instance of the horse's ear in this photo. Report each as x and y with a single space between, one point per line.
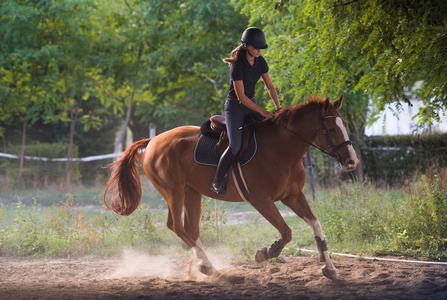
326 104
337 103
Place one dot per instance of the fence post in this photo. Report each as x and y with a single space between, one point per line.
311 175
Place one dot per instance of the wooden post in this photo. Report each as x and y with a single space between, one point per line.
311 175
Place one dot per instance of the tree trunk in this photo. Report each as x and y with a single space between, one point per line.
311 174
22 152
129 108
139 130
73 117
358 172
74 111
126 122
124 141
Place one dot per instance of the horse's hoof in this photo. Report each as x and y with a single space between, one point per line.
261 255
331 274
216 275
206 270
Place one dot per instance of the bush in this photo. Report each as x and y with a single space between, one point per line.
60 231
65 229
359 218
356 218
425 230
387 160
390 160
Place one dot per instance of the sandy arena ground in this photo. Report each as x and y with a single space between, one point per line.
139 276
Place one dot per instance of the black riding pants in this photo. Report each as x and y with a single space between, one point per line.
236 115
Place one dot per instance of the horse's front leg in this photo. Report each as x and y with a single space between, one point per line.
323 253
269 211
301 207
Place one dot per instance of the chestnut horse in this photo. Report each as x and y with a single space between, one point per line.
276 173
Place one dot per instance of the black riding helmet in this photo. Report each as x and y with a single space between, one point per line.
255 37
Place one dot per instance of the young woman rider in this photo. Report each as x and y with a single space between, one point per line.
246 67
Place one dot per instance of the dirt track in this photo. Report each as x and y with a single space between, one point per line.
137 276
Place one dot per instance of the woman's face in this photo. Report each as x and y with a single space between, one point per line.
254 51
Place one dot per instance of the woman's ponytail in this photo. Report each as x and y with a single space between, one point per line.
235 54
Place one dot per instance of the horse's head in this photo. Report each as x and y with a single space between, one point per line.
333 137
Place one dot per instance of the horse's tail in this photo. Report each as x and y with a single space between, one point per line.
125 179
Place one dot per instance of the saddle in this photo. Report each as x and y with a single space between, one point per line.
216 127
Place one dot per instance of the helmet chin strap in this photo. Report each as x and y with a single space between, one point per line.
246 49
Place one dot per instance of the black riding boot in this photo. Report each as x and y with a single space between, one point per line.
219 184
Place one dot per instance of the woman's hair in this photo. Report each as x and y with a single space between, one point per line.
235 54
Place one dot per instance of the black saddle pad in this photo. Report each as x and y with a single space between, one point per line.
205 153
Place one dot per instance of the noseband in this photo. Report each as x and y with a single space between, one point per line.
331 149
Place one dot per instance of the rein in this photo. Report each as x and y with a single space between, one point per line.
332 150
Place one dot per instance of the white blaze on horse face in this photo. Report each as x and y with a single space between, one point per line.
340 125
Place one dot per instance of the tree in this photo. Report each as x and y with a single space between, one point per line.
23 58
403 42
173 60
376 47
73 67
367 49
50 53
304 57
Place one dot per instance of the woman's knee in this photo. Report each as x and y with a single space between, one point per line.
235 149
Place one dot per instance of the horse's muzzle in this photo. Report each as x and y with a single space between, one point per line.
350 163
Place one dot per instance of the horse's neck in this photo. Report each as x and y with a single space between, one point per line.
304 129
287 147
300 132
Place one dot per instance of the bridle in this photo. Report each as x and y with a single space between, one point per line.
331 149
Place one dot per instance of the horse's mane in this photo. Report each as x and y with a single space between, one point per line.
297 110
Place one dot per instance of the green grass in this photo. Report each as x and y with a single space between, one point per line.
356 218
365 220
81 196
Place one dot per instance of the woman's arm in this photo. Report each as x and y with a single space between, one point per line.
271 89
240 93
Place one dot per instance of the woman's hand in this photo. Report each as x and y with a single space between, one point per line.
278 109
268 115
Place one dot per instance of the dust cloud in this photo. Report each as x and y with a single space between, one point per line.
139 264
135 263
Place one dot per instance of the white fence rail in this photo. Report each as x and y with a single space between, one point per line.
88 158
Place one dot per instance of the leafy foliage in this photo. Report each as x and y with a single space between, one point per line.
425 229
377 48
83 62
65 229
392 160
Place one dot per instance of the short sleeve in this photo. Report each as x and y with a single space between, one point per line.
237 71
265 66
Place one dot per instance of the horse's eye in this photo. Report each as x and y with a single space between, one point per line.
332 130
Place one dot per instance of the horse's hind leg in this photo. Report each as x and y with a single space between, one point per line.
300 206
192 208
176 200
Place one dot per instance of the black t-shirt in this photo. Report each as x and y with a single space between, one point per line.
242 70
